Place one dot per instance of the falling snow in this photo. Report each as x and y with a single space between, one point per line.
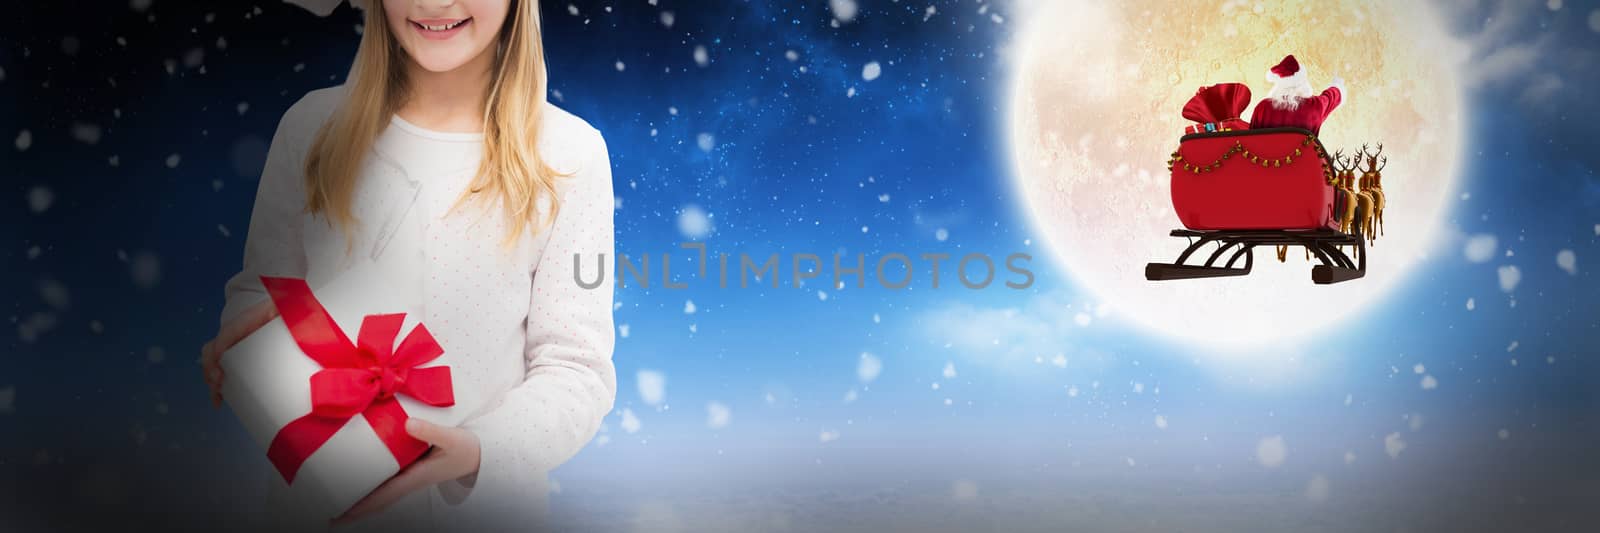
146 270
1480 248
630 421
1317 489
871 71
1567 261
964 491
652 386
1510 276
693 222
1272 451
868 367
1393 445
718 415
843 10
40 198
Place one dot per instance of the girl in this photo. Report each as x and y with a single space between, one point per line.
441 159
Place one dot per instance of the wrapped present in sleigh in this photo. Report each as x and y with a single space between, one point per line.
1237 190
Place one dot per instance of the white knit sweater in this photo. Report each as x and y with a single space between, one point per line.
530 350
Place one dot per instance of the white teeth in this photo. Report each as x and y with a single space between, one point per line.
442 27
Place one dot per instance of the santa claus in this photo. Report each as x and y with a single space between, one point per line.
1291 104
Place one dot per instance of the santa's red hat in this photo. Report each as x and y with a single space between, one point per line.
1288 78
1287 67
1286 71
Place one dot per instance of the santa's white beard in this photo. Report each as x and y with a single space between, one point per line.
1287 96
1287 102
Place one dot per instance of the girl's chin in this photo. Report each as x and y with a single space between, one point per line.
441 62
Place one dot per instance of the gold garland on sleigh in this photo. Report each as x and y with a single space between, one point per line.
1238 148
1363 198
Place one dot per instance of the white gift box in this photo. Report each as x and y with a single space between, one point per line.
267 384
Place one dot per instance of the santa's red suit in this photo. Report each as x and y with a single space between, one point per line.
1290 104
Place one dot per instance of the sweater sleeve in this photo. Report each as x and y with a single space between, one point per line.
272 245
570 382
1331 98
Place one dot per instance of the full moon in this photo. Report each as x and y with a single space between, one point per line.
1096 93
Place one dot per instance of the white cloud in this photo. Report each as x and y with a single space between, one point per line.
1510 48
1015 333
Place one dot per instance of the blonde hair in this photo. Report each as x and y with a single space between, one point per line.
511 170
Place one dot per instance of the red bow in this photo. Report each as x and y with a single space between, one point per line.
357 378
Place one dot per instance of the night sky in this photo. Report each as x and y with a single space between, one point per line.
1469 398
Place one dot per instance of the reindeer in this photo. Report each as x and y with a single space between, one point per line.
1345 187
1357 203
1372 185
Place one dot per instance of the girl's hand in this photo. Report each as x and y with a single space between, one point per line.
454 455
242 326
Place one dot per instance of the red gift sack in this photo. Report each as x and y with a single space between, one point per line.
1217 108
1271 178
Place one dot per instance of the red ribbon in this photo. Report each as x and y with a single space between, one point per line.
357 378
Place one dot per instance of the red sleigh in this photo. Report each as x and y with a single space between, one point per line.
1240 189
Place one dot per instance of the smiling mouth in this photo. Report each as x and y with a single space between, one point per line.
441 27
